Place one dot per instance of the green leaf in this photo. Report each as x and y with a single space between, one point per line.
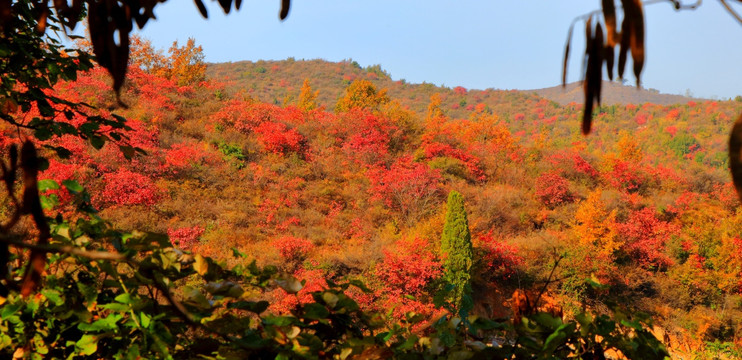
47 184
43 133
73 186
253 306
123 298
315 311
43 163
144 319
128 151
290 284
53 296
97 141
49 201
557 338
115 307
87 345
9 310
201 265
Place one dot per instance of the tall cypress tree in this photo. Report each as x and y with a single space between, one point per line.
457 249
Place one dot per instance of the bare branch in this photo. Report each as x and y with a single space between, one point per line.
71 250
731 11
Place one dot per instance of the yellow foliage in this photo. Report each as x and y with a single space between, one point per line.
362 94
186 64
307 98
434 109
595 226
628 148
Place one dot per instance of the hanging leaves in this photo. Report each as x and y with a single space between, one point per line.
285 5
735 155
593 73
600 47
110 22
633 10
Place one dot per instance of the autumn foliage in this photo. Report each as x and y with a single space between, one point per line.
360 192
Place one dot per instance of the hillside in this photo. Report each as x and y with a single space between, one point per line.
278 82
640 215
613 93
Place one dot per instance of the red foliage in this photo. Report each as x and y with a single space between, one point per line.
498 258
128 188
182 156
405 185
645 236
367 137
314 280
552 189
278 138
408 267
59 172
641 119
672 130
673 114
185 237
435 149
459 90
293 248
627 176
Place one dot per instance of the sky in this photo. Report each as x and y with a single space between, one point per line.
500 44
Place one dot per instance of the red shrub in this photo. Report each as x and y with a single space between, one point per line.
278 138
186 237
407 186
293 248
645 236
408 267
129 188
497 257
552 189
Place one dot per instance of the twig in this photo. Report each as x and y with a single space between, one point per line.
71 250
548 281
731 11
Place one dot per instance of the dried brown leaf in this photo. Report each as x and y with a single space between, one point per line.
226 5
609 55
609 14
637 38
593 72
597 61
285 6
623 50
566 55
202 8
735 155
106 19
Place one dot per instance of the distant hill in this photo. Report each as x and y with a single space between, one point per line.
279 82
612 93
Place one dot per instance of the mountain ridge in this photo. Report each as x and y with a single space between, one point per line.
279 81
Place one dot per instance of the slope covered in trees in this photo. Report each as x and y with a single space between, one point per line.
639 213
278 81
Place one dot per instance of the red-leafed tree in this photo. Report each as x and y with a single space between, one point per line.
552 189
644 237
124 187
406 186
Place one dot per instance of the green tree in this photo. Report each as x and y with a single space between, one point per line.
457 248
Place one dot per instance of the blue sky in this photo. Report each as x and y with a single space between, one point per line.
501 44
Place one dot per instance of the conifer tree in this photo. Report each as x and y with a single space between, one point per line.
457 248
